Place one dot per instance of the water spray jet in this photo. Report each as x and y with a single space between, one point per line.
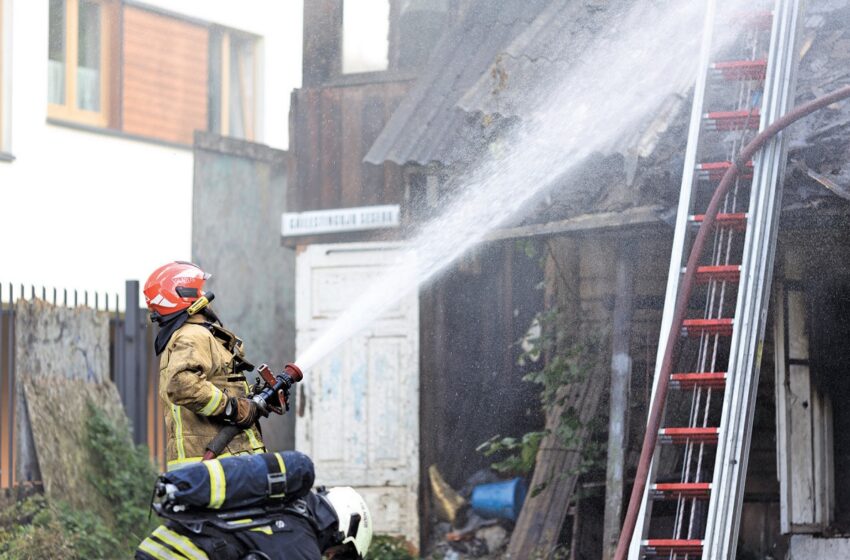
629 72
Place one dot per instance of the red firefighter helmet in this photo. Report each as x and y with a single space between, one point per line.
174 287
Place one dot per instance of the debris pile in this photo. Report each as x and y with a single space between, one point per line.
475 521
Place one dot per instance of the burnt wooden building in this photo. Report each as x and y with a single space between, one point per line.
453 82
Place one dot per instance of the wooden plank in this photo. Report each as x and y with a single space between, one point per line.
643 215
802 477
311 187
330 148
822 453
352 147
374 117
621 369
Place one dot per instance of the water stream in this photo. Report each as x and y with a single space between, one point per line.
643 57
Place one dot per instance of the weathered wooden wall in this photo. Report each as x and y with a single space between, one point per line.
580 281
331 129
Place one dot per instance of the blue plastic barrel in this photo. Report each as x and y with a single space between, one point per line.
499 499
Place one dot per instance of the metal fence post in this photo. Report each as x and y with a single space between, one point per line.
130 372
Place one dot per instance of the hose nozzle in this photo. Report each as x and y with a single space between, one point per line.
294 372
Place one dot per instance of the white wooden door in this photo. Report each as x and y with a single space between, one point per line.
358 413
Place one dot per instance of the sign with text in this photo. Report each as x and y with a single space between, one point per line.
340 219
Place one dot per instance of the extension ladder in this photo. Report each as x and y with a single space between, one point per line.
692 501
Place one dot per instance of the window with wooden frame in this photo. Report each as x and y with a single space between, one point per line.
232 86
80 50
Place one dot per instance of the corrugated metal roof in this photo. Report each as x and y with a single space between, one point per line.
551 43
428 126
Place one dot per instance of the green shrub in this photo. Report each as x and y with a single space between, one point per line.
35 528
123 474
385 547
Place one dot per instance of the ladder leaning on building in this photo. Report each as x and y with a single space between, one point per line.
716 354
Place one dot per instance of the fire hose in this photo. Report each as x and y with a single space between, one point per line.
271 396
659 400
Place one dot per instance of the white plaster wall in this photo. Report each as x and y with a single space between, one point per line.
88 210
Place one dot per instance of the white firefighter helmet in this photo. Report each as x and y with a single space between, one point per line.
355 521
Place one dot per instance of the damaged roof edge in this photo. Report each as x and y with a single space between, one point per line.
639 216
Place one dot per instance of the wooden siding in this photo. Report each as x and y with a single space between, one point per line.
331 130
164 76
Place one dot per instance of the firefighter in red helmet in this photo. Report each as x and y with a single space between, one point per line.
202 384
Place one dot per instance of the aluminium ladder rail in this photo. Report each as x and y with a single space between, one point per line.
719 337
724 513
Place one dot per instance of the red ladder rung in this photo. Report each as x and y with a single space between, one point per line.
665 547
714 170
679 436
722 326
720 273
741 69
737 221
732 120
715 380
675 490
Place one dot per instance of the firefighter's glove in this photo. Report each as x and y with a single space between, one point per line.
241 412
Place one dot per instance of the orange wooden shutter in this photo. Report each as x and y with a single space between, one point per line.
165 76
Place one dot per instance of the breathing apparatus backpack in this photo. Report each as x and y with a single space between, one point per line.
234 482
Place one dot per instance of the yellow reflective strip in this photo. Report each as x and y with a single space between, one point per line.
256 446
264 529
181 543
281 463
178 431
282 467
218 485
213 403
179 463
158 551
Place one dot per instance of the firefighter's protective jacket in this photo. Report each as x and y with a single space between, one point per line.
197 374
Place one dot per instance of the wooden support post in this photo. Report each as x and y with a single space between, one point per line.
621 368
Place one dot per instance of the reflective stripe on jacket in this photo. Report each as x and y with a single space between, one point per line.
196 377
